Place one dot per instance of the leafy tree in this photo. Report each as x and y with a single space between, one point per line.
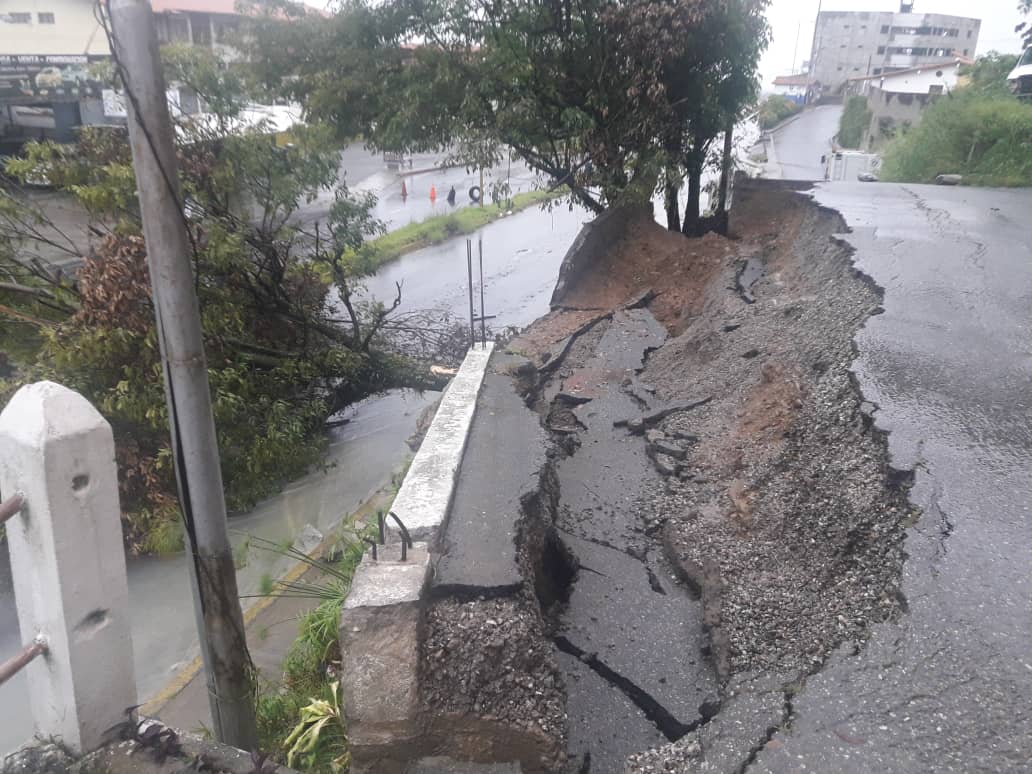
288 337
988 75
709 78
581 90
776 109
1025 6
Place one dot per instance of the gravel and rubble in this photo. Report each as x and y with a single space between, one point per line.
777 505
731 458
489 659
790 496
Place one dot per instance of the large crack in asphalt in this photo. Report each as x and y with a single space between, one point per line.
625 637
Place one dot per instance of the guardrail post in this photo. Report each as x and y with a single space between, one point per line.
68 562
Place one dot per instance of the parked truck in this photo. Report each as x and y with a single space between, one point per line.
1020 79
852 165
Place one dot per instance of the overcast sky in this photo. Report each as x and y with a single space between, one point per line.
791 17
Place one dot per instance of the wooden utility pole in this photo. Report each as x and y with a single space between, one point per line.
195 450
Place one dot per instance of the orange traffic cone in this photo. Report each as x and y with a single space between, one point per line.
433 194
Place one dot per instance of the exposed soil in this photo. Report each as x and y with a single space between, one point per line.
777 505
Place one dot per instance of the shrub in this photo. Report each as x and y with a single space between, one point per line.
856 117
776 109
986 139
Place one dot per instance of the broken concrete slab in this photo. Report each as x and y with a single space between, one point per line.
505 451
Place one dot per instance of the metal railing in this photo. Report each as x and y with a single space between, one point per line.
8 509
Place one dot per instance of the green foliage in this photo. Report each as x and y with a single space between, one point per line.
288 716
438 228
776 109
592 93
286 342
987 140
988 75
856 118
318 741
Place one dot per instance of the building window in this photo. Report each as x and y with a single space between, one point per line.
881 49
969 34
19 18
935 88
45 18
965 52
885 29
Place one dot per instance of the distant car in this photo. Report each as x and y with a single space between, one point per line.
1020 79
867 177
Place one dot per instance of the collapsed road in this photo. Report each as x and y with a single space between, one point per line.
694 532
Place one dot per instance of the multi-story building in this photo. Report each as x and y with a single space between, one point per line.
49 48
850 44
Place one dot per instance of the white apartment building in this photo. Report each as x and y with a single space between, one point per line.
851 44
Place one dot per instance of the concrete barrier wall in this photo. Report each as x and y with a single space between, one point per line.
382 623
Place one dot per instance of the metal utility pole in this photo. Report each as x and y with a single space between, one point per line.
725 168
195 450
472 314
483 312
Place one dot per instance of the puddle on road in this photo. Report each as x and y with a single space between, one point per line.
749 273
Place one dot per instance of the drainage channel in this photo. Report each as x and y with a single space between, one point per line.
630 637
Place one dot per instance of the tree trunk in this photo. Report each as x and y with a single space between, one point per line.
691 211
673 214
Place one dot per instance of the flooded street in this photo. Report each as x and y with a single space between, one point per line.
522 254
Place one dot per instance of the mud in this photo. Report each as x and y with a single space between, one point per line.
717 513
735 466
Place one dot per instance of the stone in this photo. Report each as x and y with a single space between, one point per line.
670 448
654 436
388 580
380 676
665 464
308 539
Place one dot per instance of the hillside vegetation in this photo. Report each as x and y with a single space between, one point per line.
979 131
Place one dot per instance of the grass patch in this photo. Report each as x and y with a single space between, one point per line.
438 228
287 713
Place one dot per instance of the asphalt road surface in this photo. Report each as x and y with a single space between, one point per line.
795 150
947 688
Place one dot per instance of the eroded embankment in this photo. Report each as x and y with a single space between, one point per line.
725 504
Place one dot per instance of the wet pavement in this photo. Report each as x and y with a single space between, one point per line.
799 144
948 365
502 461
631 638
522 253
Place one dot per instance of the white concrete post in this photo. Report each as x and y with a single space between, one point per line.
68 562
